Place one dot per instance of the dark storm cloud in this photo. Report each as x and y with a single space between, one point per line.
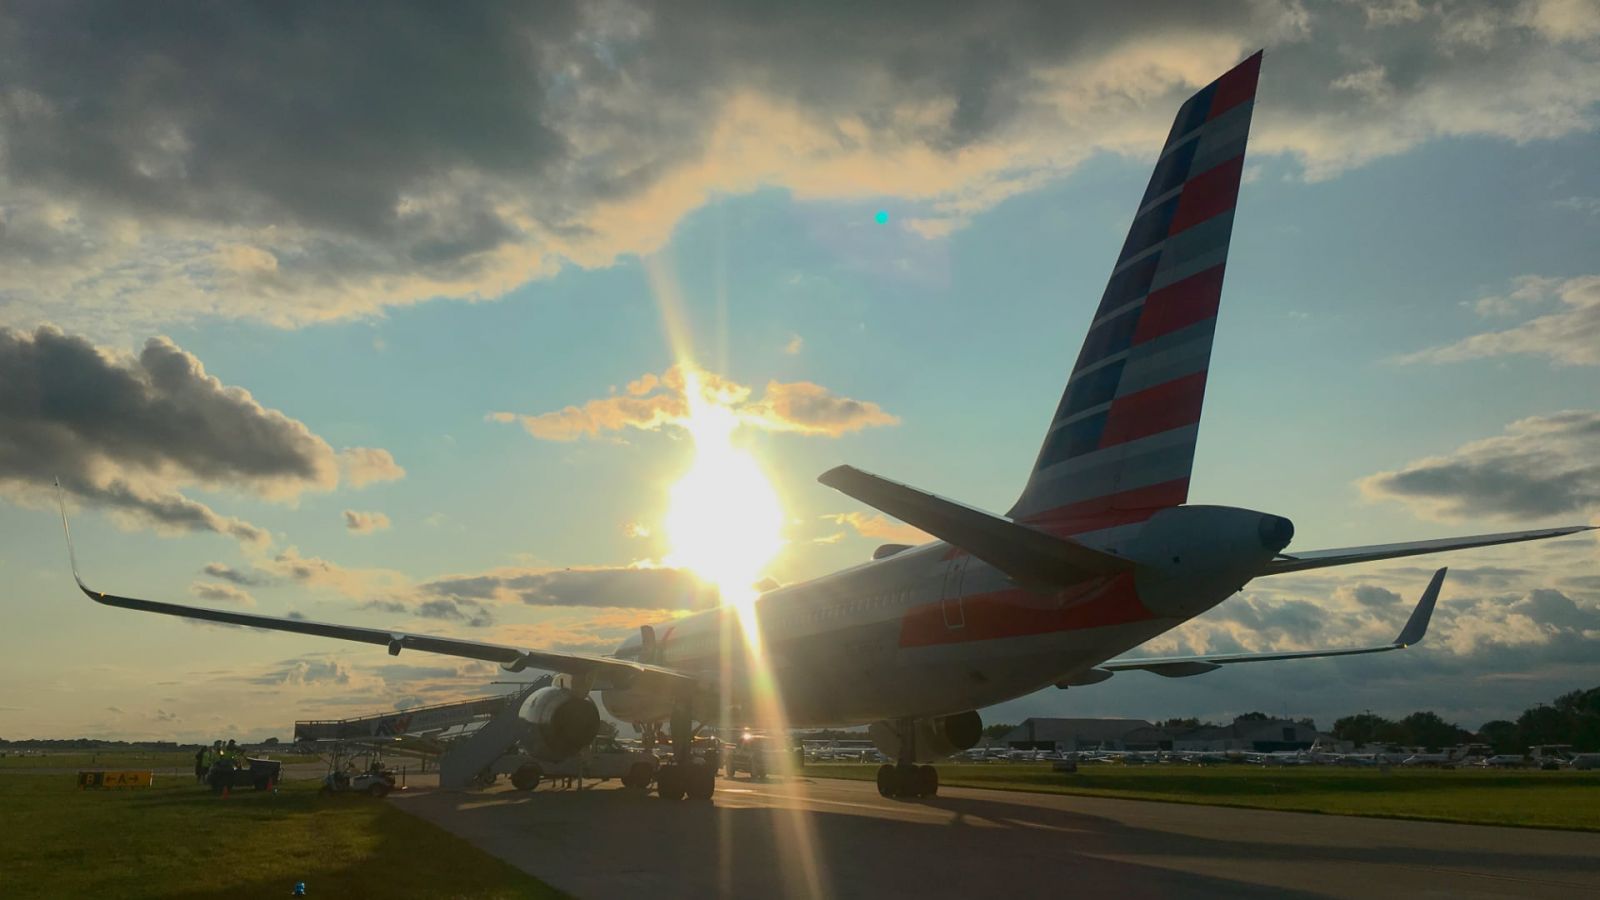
300 161
1542 466
635 588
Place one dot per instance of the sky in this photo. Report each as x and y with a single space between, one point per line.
388 321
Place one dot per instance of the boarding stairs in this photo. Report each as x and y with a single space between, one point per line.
468 738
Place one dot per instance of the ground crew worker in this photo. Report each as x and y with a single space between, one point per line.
200 765
234 754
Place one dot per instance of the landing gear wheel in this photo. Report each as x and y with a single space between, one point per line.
670 782
526 778
928 781
638 776
886 781
731 770
907 780
700 781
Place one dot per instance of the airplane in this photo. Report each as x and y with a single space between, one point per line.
1099 554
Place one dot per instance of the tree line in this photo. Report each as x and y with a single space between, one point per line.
1572 718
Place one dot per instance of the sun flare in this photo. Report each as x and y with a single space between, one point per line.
724 521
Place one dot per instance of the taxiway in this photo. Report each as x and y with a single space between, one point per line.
757 838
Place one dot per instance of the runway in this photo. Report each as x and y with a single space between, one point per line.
752 842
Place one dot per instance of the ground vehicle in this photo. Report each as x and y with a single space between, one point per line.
256 774
604 759
755 754
361 772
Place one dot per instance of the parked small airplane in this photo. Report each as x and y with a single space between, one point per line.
1099 554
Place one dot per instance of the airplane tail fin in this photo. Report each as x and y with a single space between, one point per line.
1122 441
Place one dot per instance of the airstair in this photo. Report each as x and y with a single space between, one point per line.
468 738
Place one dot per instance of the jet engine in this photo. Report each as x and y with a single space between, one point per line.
936 738
565 722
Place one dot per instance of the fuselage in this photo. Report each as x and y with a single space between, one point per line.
932 631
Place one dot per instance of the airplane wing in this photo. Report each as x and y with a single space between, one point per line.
1184 666
1026 554
1317 559
609 671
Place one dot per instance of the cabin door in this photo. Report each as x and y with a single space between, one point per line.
954 615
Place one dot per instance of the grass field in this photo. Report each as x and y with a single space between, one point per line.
1539 799
120 759
176 840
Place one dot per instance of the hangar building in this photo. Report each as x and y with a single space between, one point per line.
1068 735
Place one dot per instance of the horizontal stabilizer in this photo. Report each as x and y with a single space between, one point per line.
1030 556
1184 666
1318 559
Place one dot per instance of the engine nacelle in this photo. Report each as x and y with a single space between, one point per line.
565 722
935 738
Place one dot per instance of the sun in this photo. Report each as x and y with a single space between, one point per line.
724 521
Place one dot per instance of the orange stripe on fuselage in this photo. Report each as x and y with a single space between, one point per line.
1019 613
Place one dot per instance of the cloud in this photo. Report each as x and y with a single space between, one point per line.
1568 336
795 345
456 609
128 432
228 573
360 584
880 527
365 522
638 588
215 592
652 402
364 465
306 672
1542 466
152 175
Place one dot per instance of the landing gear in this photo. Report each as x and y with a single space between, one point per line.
700 781
670 782
685 776
907 780
638 776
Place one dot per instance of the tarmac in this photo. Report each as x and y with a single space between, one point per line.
833 838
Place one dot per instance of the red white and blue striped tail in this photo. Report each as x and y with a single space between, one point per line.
1121 444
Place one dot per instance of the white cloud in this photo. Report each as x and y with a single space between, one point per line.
1568 336
357 522
652 402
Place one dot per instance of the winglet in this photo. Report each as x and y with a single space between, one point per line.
72 555
1417 625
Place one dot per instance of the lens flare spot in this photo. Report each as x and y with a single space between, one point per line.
724 520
